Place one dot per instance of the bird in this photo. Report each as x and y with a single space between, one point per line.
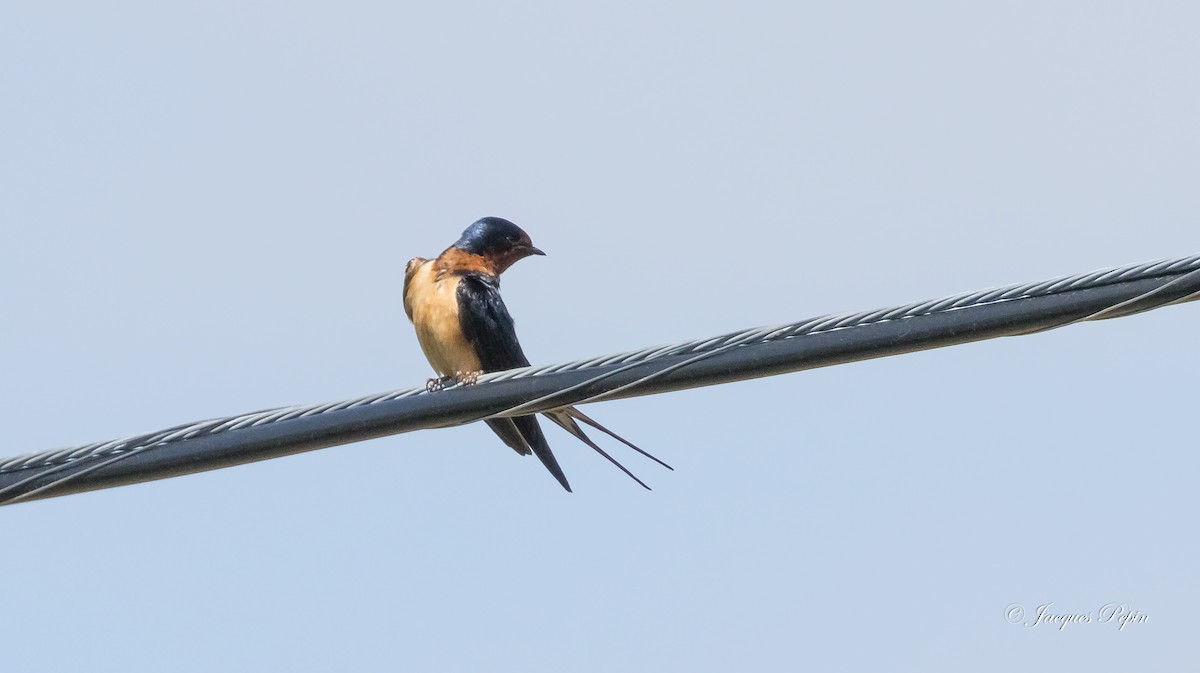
465 330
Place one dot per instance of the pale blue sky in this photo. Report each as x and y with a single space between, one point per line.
207 208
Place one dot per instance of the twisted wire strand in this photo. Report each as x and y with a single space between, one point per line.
95 455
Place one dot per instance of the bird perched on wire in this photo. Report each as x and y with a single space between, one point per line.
465 330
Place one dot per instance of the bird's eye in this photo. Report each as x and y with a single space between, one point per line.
513 238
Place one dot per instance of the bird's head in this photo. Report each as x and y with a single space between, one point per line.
498 241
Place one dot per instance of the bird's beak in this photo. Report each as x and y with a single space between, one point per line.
533 251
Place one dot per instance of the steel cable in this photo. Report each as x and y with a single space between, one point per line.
822 341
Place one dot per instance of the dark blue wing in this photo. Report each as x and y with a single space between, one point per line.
489 329
487 325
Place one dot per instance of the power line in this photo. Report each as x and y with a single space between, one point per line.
817 342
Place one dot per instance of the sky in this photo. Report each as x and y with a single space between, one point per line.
207 208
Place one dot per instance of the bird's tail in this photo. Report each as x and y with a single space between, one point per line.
575 413
565 418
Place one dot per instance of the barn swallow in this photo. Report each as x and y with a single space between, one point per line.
465 330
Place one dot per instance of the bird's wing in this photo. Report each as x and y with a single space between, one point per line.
486 324
532 432
490 331
507 431
410 271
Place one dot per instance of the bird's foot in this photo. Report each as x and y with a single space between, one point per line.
437 383
467 378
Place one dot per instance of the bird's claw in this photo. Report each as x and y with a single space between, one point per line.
466 378
437 383
459 379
